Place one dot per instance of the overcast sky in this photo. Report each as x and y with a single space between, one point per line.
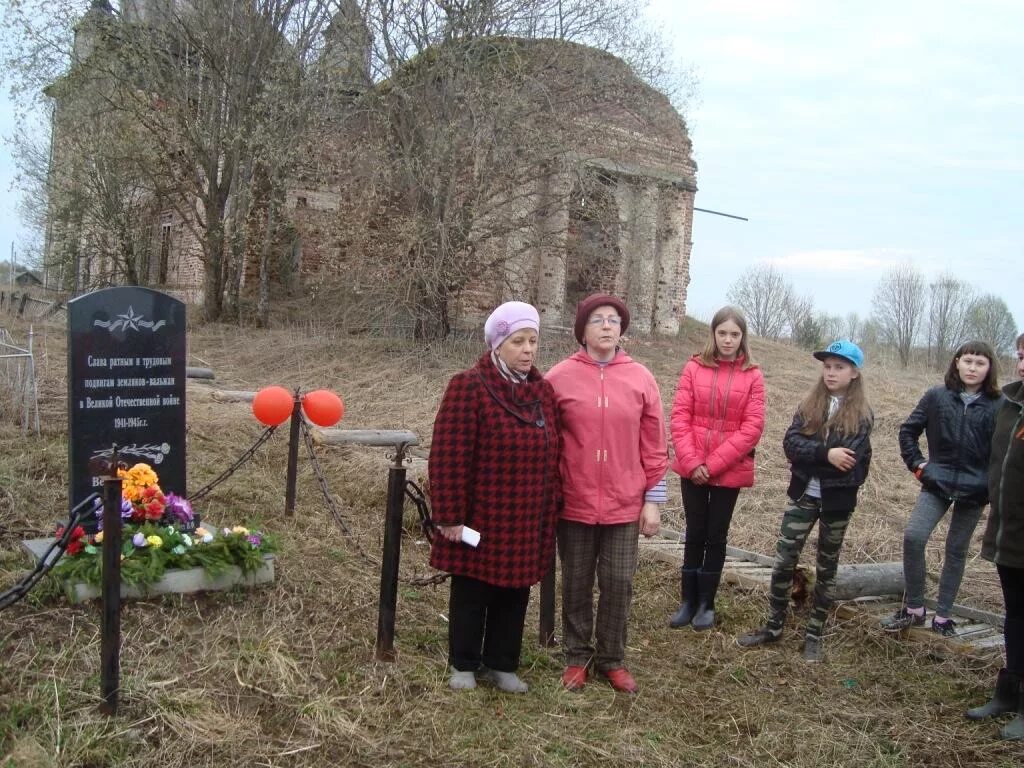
855 136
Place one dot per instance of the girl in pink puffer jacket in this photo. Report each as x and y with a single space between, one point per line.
717 420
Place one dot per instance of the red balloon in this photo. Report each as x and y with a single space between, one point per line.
273 405
323 407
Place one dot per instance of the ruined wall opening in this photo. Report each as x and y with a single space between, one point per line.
592 251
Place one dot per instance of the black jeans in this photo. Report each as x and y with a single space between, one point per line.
708 514
481 614
1012 582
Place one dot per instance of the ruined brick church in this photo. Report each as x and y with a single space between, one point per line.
614 213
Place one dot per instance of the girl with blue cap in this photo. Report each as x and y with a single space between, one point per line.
829 449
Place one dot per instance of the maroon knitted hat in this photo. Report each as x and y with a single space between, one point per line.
592 302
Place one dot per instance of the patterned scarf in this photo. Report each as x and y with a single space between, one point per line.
507 373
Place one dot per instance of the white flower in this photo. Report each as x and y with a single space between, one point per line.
186 539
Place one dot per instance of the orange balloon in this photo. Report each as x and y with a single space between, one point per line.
323 407
273 405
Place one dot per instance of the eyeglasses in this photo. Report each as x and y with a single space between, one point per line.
602 319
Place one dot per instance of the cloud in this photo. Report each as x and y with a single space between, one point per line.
842 260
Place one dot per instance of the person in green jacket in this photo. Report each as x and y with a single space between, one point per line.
1003 544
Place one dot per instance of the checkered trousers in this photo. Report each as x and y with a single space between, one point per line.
610 552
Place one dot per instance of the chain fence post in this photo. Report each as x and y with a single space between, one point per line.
388 604
546 625
293 457
110 639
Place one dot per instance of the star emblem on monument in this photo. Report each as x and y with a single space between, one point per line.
130 318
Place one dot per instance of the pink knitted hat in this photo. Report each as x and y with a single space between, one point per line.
510 317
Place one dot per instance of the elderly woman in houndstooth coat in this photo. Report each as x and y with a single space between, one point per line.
494 470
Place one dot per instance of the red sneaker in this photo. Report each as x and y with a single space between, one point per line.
574 678
621 680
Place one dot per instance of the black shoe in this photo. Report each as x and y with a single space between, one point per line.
903 619
682 616
945 628
708 585
761 636
1004 698
705 618
812 648
688 608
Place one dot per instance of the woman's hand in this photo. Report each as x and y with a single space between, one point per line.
650 519
842 459
451 532
700 475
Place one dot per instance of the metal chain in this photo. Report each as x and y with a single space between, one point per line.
412 491
332 505
53 553
415 494
234 467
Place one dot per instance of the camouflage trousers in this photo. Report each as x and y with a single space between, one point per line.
797 522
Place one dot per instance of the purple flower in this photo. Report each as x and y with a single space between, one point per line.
178 509
126 511
139 540
254 539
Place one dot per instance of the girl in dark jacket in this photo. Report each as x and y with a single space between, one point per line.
958 419
1004 545
829 449
495 491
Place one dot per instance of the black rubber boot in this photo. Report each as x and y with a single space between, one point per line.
1004 698
708 587
688 607
1014 730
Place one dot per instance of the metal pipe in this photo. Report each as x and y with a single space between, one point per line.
719 213
110 638
388 604
546 626
293 457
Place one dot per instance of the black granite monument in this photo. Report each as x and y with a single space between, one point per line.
126 386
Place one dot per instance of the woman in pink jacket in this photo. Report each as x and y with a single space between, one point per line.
613 464
717 419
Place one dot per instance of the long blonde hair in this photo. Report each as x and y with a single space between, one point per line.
707 356
849 416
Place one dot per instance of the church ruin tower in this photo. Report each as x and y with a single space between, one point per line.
345 62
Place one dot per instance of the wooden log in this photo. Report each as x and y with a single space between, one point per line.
859 579
193 372
380 438
232 396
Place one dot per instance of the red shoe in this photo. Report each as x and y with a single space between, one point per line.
574 678
621 680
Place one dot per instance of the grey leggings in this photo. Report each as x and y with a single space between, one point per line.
928 510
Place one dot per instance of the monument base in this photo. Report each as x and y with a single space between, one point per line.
174 581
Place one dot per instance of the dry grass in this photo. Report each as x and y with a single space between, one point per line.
284 676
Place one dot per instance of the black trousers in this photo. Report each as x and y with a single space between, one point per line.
481 615
708 514
1012 582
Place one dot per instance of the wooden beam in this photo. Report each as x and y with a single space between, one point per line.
380 438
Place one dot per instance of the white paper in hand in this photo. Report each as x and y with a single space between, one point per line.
469 536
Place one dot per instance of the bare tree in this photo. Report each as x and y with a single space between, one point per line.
949 304
989 319
765 297
899 304
474 133
832 327
853 327
192 81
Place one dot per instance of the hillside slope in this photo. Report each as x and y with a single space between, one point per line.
284 675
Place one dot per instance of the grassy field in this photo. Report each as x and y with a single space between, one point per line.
285 676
